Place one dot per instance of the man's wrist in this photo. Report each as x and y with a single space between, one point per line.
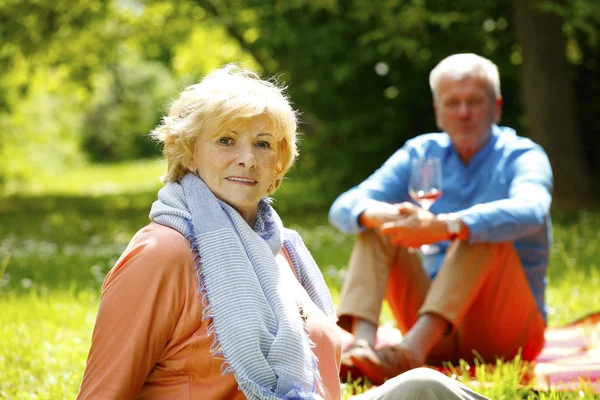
367 219
453 225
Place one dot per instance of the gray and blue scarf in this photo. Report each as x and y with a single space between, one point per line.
255 325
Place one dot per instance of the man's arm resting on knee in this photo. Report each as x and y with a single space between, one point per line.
415 226
377 214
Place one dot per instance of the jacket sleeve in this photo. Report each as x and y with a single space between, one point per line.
141 301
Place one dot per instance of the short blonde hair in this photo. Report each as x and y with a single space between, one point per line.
460 66
226 96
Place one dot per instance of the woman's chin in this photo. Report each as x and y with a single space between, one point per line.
247 208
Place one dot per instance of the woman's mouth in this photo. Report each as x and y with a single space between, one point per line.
242 180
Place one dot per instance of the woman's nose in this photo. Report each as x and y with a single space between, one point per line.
246 157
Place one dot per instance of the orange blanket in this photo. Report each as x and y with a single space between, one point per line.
570 358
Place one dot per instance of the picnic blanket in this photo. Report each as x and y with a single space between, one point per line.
569 361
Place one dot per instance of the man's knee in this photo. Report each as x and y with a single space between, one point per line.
380 246
372 238
459 246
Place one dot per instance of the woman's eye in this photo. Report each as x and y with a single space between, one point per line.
225 141
263 145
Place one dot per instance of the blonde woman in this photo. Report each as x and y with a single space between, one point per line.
214 298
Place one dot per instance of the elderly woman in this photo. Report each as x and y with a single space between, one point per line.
215 283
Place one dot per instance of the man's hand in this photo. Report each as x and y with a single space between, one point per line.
414 227
379 213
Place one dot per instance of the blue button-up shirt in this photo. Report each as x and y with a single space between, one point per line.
504 194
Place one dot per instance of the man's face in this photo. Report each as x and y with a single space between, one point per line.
466 110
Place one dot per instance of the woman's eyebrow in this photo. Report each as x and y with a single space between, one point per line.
258 134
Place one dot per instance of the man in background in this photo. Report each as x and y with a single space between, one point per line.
482 293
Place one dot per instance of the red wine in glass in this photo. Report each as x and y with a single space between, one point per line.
425 187
426 198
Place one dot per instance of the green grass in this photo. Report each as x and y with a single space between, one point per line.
58 239
96 180
44 342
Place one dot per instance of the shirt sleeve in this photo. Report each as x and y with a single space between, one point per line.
141 301
388 184
524 211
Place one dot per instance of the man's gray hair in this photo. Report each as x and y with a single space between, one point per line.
460 66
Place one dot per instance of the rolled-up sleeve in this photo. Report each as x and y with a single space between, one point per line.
524 211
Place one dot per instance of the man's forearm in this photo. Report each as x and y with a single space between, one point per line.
377 214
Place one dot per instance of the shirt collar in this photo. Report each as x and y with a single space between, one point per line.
482 154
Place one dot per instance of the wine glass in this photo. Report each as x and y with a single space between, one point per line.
426 187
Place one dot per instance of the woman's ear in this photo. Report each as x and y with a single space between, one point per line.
190 160
192 167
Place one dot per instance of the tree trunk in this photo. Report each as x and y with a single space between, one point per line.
549 101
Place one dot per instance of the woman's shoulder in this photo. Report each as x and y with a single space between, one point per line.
156 240
160 234
154 250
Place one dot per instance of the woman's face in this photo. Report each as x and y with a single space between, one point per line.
238 165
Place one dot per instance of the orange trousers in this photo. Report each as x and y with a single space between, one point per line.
481 289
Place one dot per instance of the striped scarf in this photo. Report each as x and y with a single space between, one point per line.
256 327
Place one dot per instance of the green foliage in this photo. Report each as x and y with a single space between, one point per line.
359 70
48 50
92 80
128 102
184 37
37 30
41 134
581 16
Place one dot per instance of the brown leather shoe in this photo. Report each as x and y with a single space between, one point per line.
384 363
348 371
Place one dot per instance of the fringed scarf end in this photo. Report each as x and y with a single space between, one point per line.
215 349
